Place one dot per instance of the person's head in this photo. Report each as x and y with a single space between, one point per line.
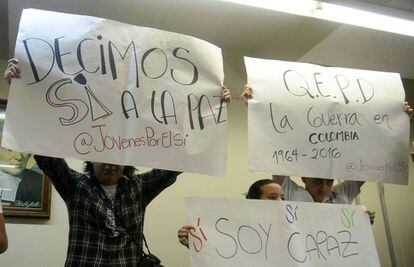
265 189
13 162
320 189
106 173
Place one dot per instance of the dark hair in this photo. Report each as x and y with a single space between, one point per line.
255 191
88 168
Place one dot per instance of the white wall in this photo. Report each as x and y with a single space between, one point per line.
38 242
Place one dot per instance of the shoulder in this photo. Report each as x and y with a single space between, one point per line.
346 186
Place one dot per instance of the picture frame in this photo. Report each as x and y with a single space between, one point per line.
24 190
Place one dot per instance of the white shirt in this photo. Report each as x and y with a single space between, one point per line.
110 191
342 193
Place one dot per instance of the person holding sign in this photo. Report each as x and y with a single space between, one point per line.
316 190
3 235
106 204
264 189
319 190
322 190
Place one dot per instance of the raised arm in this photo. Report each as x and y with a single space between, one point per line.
155 181
63 178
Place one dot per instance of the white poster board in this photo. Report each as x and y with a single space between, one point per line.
314 121
237 232
101 90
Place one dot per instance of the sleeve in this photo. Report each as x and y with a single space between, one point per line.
349 189
289 188
62 177
155 181
294 192
1 208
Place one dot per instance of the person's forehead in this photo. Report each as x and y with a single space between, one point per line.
272 186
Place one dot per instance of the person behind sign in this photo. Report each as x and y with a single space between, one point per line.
316 190
319 190
106 204
3 235
264 189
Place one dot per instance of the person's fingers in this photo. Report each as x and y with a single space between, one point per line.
184 230
226 95
7 76
188 227
182 233
15 72
408 109
13 61
12 70
245 95
184 242
248 88
224 90
247 92
182 237
13 64
371 215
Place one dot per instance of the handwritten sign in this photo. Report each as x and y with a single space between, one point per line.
106 91
314 121
237 232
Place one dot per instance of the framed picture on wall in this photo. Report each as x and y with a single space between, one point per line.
24 190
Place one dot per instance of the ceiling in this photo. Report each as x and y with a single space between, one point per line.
241 30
